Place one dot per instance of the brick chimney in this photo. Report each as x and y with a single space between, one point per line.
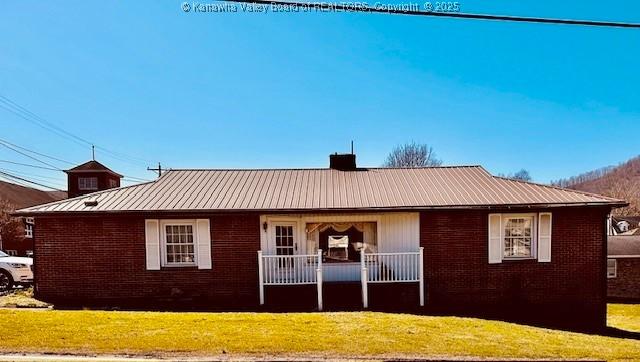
342 162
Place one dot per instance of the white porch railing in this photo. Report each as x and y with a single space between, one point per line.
290 270
391 268
399 267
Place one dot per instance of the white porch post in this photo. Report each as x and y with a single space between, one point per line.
319 279
421 271
261 277
363 280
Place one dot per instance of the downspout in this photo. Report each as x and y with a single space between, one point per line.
603 271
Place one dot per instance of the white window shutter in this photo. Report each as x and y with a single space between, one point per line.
495 238
204 244
152 243
544 237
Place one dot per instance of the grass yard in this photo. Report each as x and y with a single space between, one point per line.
21 298
305 334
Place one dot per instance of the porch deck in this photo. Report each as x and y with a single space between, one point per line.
283 270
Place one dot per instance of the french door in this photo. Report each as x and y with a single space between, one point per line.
284 237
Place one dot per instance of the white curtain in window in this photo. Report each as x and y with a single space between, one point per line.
368 230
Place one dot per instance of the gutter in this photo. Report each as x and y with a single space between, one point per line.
26 212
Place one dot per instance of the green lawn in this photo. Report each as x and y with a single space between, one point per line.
304 334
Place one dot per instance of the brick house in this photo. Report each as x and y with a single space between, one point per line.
88 177
441 239
20 243
623 267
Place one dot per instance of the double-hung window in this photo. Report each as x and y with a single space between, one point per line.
178 243
519 236
28 227
612 266
87 183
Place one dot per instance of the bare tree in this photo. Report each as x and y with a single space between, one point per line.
627 190
9 225
584 177
620 182
522 175
412 155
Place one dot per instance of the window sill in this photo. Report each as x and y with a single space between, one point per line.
180 266
518 259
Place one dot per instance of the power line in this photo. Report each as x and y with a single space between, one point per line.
6 174
27 174
36 152
134 179
356 7
17 110
52 168
8 145
28 165
26 114
17 182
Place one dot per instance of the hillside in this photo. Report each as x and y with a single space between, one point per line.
20 196
622 181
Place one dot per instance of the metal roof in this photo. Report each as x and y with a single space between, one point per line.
323 189
92 166
623 245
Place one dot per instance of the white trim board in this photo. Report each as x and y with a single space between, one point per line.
406 225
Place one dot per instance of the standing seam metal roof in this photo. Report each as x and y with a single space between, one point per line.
323 189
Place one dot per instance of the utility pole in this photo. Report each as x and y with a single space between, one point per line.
158 170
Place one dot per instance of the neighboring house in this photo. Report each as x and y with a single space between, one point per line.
623 267
625 225
21 197
90 177
446 239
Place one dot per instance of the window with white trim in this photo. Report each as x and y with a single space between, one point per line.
179 243
87 183
284 240
612 268
113 183
519 236
28 227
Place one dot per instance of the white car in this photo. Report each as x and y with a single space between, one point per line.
14 270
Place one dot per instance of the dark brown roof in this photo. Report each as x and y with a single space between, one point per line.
325 189
92 166
21 196
623 245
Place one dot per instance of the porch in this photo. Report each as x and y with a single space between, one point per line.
373 268
315 249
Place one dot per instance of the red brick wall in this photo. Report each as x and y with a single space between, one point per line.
459 277
103 182
84 259
88 258
626 284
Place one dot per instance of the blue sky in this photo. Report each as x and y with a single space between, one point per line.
284 90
